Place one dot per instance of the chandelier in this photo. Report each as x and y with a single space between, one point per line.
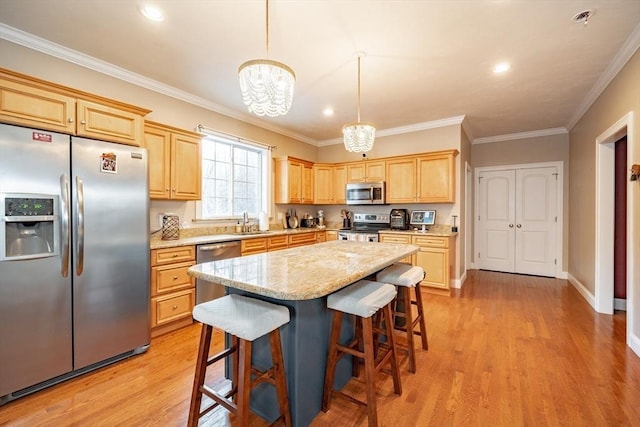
358 136
267 86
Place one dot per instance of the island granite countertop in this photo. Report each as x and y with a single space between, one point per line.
306 272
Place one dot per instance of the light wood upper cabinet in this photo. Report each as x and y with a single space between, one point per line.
32 102
401 180
174 162
30 106
322 184
366 171
426 178
293 180
436 177
108 123
339 184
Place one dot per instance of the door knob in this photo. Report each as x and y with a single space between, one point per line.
510 225
519 225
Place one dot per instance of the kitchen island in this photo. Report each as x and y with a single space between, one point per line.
300 279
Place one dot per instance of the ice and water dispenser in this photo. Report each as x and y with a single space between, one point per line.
29 226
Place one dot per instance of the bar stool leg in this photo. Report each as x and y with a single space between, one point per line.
423 325
198 381
395 366
370 370
408 315
244 382
278 372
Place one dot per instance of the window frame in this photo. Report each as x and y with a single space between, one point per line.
265 187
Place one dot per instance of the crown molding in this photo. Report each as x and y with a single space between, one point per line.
625 53
58 51
456 120
521 135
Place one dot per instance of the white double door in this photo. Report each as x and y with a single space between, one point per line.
517 220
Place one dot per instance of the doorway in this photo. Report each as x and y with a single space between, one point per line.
519 219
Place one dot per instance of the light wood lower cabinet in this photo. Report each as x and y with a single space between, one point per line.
397 238
172 289
302 239
331 235
253 246
436 256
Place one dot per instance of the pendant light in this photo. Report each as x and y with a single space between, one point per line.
266 85
358 137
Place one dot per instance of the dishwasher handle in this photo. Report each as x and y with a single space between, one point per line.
217 246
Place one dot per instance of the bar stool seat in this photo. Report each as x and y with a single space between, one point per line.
245 319
363 299
406 276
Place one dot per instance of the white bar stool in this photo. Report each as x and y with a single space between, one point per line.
407 276
245 319
363 299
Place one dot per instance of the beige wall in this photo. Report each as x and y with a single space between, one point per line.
619 98
542 149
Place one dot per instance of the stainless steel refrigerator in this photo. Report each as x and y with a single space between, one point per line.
74 257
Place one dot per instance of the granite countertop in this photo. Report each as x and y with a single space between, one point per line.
158 243
306 272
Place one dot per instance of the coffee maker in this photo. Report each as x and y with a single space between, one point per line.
399 219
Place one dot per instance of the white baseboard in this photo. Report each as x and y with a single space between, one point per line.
591 299
563 275
457 283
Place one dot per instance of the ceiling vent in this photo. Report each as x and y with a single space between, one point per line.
583 17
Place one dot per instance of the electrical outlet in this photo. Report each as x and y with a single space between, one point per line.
279 216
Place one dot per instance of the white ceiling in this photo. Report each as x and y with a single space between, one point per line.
426 60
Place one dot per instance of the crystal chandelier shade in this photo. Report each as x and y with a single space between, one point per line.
358 137
267 86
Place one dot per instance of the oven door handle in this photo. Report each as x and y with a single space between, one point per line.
371 194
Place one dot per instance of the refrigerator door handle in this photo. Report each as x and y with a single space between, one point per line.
64 218
80 230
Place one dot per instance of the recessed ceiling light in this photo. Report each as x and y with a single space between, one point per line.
152 13
328 111
502 68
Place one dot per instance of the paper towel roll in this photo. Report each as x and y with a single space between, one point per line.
263 221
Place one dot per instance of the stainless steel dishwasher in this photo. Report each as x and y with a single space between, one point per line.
206 291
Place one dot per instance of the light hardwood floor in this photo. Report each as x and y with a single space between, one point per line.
507 350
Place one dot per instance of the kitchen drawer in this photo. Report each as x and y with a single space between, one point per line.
172 277
277 242
431 241
395 238
172 255
253 246
172 307
321 236
302 239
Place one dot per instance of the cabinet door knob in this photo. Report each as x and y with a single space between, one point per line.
175 307
70 120
175 277
510 225
83 122
519 225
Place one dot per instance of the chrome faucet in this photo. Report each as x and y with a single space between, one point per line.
245 221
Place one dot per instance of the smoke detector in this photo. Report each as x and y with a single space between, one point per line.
583 17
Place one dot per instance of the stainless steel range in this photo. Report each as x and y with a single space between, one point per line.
365 227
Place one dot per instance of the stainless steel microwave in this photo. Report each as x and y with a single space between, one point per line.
365 193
